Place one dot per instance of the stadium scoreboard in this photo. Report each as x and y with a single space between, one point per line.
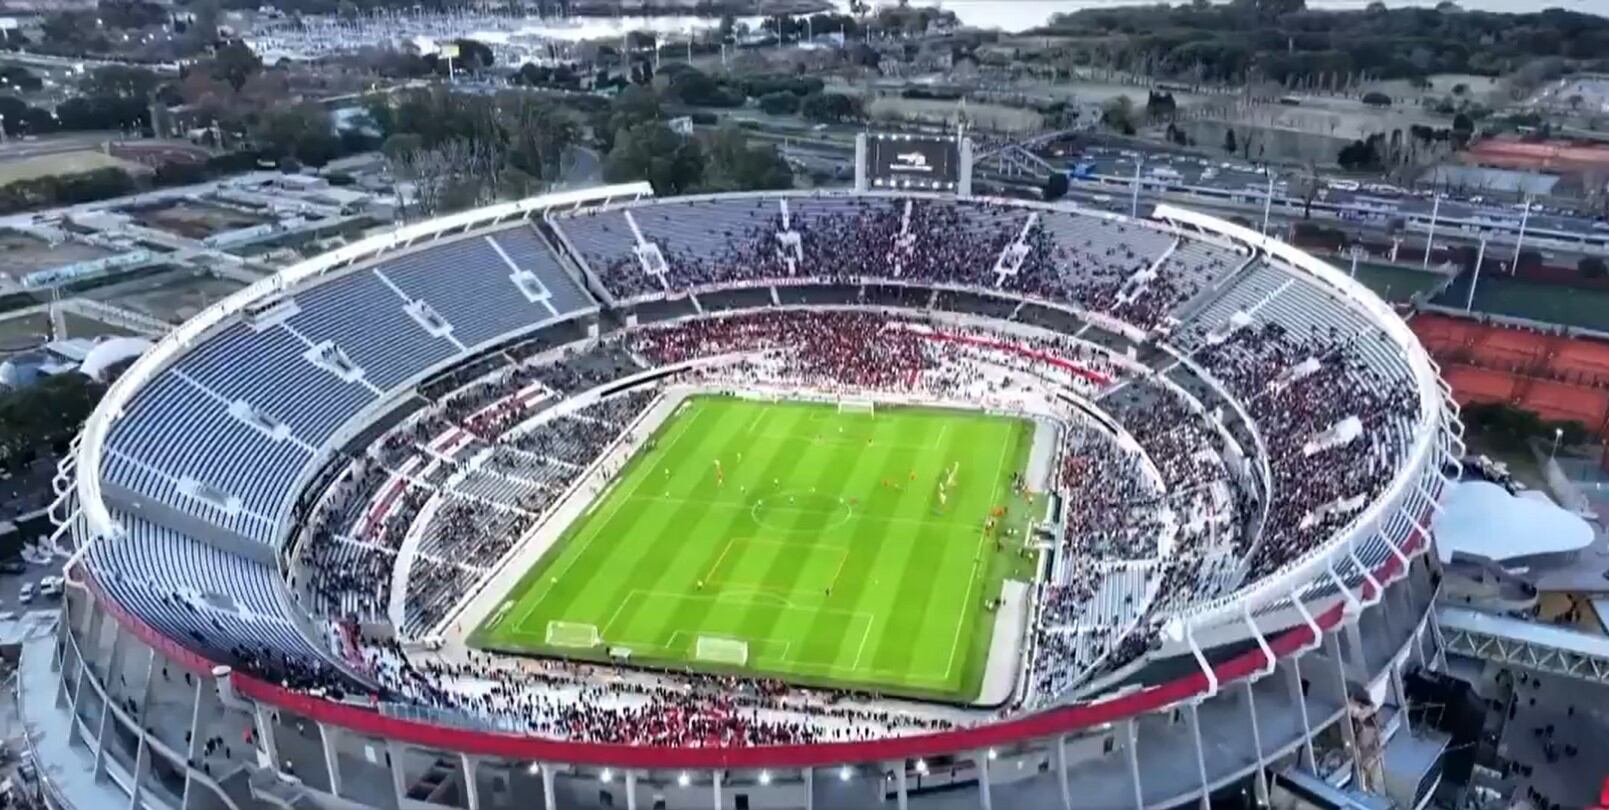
913 162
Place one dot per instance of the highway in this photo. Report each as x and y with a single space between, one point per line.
1237 181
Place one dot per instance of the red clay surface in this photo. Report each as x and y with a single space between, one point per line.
1546 154
1549 374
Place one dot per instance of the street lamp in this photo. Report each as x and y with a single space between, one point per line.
1558 433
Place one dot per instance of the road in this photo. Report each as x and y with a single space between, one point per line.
1241 179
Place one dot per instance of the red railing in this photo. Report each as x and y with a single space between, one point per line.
522 747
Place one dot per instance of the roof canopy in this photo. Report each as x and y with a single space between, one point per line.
1482 518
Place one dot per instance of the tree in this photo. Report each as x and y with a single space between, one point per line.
780 103
830 108
120 80
234 62
736 165
1056 186
1359 155
693 86
16 77
1230 145
650 151
203 29
1160 104
1118 114
43 417
300 131
473 55
103 112
1375 98
1593 267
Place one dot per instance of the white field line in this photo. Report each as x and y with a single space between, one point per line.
960 623
519 625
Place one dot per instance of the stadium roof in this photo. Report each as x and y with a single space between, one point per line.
1482 518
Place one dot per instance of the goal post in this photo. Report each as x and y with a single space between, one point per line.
573 634
719 650
861 406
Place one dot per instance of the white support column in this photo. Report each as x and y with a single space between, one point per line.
99 773
1061 773
549 798
810 787
267 738
715 789
1260 781
471 787
74 732
327 736
59 650
142 771
901 796
1131 748
631 790
1295 672
193 751
984 787
1193 718
1349 732
399 774
1401 691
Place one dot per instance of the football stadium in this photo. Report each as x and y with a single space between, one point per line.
893 495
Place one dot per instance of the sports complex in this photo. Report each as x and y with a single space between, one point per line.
892 495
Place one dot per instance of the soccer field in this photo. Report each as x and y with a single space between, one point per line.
797 542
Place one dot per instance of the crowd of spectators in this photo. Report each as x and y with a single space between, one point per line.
1163 512
1298 387
1092 262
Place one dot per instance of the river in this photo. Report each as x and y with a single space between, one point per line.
1010 15
1018 15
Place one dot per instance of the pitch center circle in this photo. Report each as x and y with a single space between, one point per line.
800 511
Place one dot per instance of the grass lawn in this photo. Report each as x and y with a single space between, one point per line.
819 541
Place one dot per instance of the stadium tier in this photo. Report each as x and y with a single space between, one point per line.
784 500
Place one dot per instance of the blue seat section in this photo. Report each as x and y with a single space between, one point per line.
365 318
224 606
526 248
467 283
175 430
266 369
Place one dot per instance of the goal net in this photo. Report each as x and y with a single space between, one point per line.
717 650
572 634
864 406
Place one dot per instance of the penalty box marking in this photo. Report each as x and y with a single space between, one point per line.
592 530
740 598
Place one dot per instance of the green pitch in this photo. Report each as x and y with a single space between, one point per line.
818 539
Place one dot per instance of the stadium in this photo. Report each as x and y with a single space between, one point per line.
785 500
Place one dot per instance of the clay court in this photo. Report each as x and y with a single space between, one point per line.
1559 155
1553 375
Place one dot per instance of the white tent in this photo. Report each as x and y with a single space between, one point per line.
1482 518
109 353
